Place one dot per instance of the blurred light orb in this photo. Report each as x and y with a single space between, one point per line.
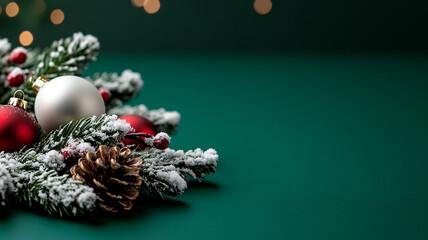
139 3
262 7
26 38
57 16
12 9
152 6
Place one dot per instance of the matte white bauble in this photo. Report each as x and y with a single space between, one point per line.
64 99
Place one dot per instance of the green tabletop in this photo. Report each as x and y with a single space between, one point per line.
311 147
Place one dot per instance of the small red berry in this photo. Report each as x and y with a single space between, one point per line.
16 77
105 93
18 55
65 154
161 141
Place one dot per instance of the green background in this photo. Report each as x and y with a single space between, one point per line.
318 111
224 25
311 147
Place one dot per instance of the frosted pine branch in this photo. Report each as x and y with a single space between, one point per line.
27 178
165 121
32 176
68 56
4 48
167 172
122 87
106 130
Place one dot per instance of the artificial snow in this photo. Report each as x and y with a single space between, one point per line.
157 116
16 71
162 136
54 54
78 147
169 168
128 83
87 199
53 159
4 45
18 172
174 179
19 50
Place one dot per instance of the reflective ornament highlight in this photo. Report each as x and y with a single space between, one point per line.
65 98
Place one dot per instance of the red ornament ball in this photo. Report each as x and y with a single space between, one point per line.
17 128
16 77
105 93
141 125
18 55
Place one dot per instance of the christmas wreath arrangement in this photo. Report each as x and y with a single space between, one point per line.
64 148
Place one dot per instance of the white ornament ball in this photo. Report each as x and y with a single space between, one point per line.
67 98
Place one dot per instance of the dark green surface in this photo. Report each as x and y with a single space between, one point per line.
212 25
311 147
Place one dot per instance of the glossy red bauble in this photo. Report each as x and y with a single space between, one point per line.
141 125
17 128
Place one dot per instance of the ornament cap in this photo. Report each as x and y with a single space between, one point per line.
19 102
38 83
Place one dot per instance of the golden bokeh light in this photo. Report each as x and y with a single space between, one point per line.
262 7
12 9
26 38
57 16
139 3
152 6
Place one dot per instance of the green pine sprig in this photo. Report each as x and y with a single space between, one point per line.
68 56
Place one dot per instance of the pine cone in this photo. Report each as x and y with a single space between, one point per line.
114 177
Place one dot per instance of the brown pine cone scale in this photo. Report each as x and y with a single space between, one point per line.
114 176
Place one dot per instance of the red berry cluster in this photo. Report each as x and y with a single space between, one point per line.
66 154
71 153
16 77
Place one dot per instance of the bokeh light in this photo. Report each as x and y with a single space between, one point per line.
139 3
12 9
262 7
57 16
152 6
26 38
